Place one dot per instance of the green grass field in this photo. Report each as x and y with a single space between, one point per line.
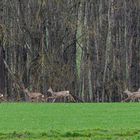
30 121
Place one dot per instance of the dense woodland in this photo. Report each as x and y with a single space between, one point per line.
90 47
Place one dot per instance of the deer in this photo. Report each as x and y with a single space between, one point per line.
132 95
34 96
1 97
60 94
136 96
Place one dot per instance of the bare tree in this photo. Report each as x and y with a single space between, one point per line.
90 47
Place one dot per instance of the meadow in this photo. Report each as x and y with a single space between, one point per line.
42 121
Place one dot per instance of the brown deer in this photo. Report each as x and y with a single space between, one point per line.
34 96
132 95
136 96
1 97
59 95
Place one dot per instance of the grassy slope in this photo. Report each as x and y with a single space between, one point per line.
98 121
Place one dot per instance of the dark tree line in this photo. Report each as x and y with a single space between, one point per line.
90 47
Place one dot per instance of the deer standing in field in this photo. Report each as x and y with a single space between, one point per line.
34 96
1 97
59 95
132 95
136 96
